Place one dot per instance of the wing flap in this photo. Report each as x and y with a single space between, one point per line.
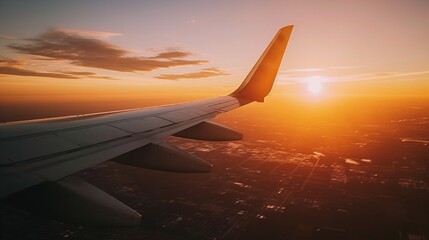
210 131
164 157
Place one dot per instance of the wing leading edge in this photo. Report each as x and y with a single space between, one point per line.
37 158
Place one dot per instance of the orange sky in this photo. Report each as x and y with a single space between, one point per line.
78 51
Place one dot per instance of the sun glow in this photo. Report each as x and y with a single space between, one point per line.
315 85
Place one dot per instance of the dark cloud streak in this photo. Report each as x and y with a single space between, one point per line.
14 67
173 54
80 73
7 70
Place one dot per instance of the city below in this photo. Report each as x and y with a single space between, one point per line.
300 173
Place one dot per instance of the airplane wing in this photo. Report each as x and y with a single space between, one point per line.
38 158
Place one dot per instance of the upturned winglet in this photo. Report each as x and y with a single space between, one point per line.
260 79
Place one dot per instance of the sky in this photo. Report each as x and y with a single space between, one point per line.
54 50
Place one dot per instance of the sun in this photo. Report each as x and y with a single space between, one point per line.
314 88
315 85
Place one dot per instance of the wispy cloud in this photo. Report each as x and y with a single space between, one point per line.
304 70
354 77
344 67
7 37
191 21
79 73
380 75
204 73
80 50
307 70
87 33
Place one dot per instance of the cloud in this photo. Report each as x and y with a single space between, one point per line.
355 77
7 70
80 73
7 37
173 54
344 67
380 75
11 62
14 67
102 77
60 44
87 34
204 73
305 70
191 21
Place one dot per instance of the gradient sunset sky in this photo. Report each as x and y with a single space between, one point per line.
200 48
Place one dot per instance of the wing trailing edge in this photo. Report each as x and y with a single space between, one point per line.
260 79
